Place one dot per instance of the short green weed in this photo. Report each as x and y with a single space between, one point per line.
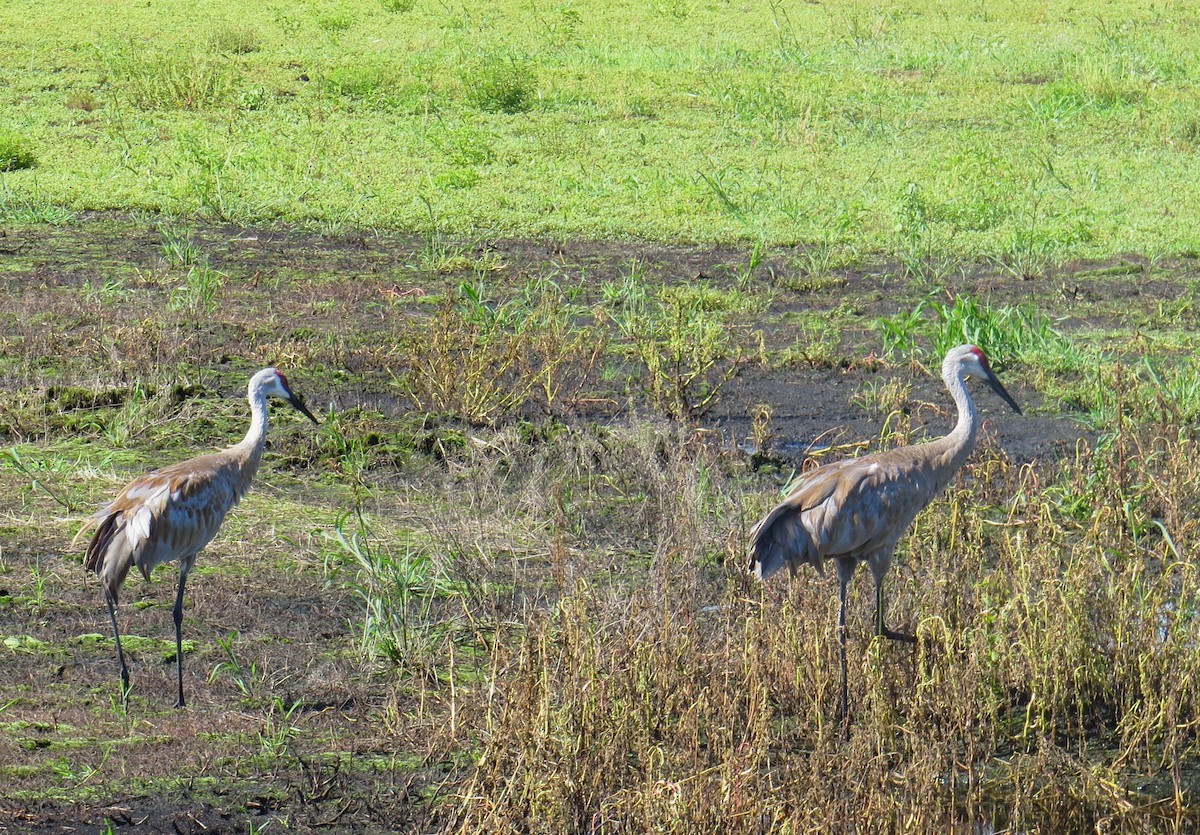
686 338
1005 333
171 78
16 151
279 729
197 292
247 678
500 82
397 589
235 39
178 247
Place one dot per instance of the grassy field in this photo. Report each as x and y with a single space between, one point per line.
576 289
1025 133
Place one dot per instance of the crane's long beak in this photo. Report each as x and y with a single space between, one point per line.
994 382
299 404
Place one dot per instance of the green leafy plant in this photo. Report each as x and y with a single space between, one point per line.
197 293
203 163
235 39
31 207
1177 387
177 78
11 457
1005 333
178 246
279 729
922 240
248 680
15 152
684 338
111 291
397 590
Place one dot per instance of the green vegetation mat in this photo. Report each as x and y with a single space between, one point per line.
1022 132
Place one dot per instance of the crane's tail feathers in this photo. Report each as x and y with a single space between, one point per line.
781 539
89 524
108 552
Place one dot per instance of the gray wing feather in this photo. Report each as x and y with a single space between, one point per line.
847 508
164 515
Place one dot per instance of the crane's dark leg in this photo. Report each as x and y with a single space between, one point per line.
843 705
178 615
112 615
880 627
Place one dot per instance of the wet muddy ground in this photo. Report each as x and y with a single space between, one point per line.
309 743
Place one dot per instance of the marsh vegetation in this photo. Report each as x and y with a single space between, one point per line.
493 612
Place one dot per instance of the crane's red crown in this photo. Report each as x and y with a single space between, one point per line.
282 379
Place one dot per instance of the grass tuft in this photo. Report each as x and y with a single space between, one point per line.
487 362
15 152
235 39
1006 333
177 78
500 82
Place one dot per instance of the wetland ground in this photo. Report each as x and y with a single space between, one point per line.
537 618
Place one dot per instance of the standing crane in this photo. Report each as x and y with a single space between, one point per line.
856 510
172 512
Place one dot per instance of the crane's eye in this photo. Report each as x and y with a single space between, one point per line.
283 380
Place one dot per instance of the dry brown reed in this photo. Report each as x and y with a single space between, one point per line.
1053 689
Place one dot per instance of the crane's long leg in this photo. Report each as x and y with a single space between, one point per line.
843 708
880 627
178 615
112 615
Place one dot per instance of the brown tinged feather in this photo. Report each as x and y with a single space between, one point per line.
98 547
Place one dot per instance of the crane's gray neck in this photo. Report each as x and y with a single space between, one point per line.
961 440
256 435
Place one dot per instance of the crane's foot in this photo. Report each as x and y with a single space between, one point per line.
180 703
125 689
893 635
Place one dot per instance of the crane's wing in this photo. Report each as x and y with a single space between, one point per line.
839 509
166 514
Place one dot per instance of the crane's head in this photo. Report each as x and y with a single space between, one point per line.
273 384
970 361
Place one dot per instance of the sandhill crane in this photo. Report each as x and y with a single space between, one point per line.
856 510
172 512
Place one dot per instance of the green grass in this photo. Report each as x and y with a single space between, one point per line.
1006 333
926 133
15 152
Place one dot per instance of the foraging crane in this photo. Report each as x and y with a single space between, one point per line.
856 510
173 512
